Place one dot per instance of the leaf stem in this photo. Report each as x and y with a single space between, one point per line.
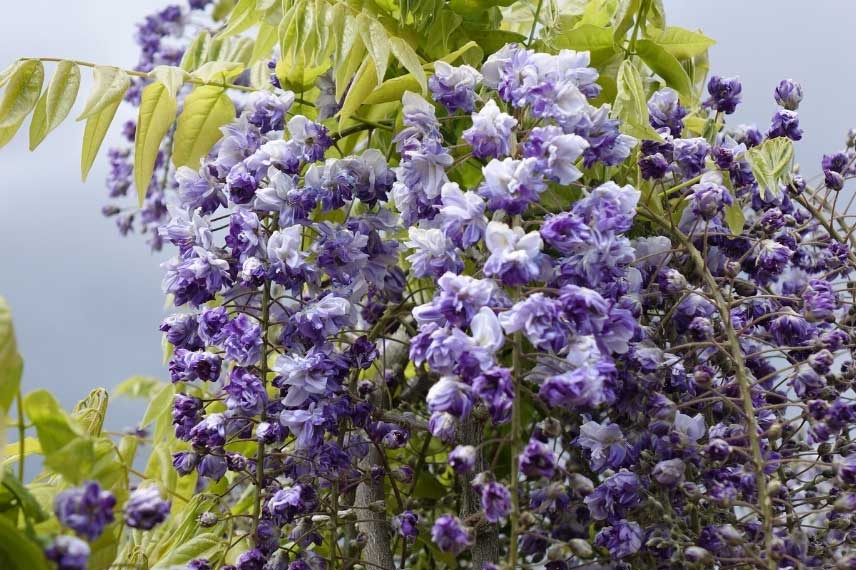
22 433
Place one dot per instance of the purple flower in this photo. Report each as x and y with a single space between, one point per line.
788 94
537 460
605 444
86 509
212 466
145 508
556 152
606 143
494 387
773 257
669 472
458 299
198 191
708 199
565 232
243 235
184 462
581 387
665 111
324 318
785 124
443 426
495 501
463 458
199 564
253 559
622 539
211 324
511 184
490 135
187 366
450 395
405 525
454 87
434 254
242 340
514 254
68 553
304 376
689 155
450 535
611 499
539 317
267 110
846 470
820 300
724 94
311 137
186 413
181 331
303 424
195 279
245 392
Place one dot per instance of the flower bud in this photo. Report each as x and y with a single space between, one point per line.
581 548
207 519
697 554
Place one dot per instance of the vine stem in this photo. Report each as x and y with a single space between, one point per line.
534 22
145 75
260 452
22 433
743 381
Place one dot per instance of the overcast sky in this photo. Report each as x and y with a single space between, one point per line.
87 303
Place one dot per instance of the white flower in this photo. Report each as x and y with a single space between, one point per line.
284 245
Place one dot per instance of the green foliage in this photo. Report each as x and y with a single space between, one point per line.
17 550
11 364
55 103
631 103
770 162
157 111
206 109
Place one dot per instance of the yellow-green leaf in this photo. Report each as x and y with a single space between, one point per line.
22 92
597 40
770 162
55 103
408 58
734 217
93 135
110 86
206 109
666 66
376 41
631 106
196 53
17 550
364 83
682 43
393 89
218 71
265 42
8 133
172 77
242 18
53 426
11 364
157 112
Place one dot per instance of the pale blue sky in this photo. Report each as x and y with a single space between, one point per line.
87 303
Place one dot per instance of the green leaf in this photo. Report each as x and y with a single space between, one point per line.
17 551
408 58
454 56
666 66
138 387
11 363
595 39
53 427
242 18
110 86
196 53
770 162
160 404
89 413
631 105
265 42
682 43
8 133
218 71
22 92
74 461
364 83
623 19
93 135
208 545
26 501
376 41
172 77
157 112
206 109
393 89
55 103
734 217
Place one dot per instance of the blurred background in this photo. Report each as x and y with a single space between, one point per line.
87 303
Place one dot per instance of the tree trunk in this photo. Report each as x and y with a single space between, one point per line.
485 536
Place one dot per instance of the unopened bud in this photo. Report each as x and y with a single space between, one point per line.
697 554
581 548
207 519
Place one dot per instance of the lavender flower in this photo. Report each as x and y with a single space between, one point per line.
145 509
454 87
68 553
788 94
86 510
449 535
725 94
665 111
490 135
